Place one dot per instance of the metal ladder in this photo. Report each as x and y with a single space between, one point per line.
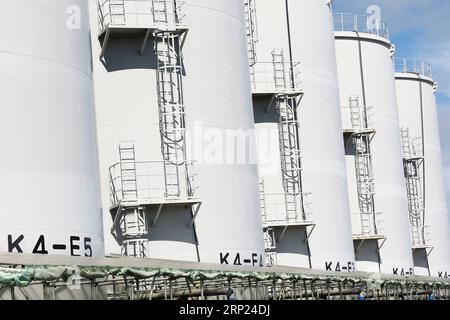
117 11
288 127
127 157
269 246
250 27
160 11
279 70
361 140
133 220
171 108
269 239
412 162
138 248
262 194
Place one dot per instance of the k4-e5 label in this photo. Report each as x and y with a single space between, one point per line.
74 245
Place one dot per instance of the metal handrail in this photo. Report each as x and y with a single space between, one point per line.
360 23
150 182
275 209
143 15
262 77
423 236
410 65
366 117
375 225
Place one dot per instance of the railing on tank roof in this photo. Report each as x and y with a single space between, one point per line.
141 13
361 23
408 65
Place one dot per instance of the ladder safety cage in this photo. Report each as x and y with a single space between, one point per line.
412 164
288 130
172 116
367 221
251 30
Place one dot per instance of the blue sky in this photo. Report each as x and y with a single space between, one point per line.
420 29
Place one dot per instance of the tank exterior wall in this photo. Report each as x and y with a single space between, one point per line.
322 149
272 34
217 98
416 96
50 187
320 131
390 192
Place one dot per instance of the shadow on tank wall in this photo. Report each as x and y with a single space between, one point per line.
123 54
260 106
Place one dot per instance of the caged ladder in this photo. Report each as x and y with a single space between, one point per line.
361 140
288 129
251 32
412 162
171 107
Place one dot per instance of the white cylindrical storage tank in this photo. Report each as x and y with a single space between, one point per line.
288 25
366 73
417 110
215 93
50 189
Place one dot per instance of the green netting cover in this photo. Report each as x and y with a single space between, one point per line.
22 277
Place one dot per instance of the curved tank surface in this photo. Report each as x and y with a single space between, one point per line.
321 238
418 120
378 195
178 93
50 188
